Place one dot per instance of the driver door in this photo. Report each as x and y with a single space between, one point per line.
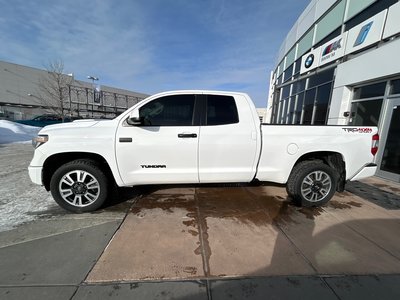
164 148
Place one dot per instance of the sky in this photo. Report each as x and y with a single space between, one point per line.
150 46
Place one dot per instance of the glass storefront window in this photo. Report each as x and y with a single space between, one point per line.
391 154
299 107
321 78
395 87
280 80
366 113
308 105
285 91
299 86
284 111
370 91
297 66
322 101
291 109
278 115
288 73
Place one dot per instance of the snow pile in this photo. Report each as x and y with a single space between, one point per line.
11 132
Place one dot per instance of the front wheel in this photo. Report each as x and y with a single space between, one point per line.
79 186
312 183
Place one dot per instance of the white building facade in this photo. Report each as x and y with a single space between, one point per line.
339 65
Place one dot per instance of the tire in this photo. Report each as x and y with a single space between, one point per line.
312 183
79 186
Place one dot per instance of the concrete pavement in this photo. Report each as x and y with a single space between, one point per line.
208 242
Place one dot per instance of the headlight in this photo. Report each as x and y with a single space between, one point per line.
39 140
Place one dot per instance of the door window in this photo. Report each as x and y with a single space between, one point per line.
366 113
174 110
221 110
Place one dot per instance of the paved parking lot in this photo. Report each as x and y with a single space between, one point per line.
197 232
198 242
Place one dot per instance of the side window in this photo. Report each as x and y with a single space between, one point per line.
221 110
175 110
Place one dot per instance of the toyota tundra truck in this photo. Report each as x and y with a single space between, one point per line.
195 137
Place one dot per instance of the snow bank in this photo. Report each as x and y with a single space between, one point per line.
11 132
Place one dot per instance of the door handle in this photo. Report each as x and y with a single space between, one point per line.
187 135
125 140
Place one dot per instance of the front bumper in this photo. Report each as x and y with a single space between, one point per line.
35 173
367 171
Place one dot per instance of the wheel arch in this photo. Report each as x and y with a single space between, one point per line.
333 159
53 162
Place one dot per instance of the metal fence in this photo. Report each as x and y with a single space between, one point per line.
87 102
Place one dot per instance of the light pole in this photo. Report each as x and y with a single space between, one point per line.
93 78
94 90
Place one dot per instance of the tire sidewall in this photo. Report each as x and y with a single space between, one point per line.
84 166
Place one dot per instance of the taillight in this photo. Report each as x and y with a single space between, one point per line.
375 144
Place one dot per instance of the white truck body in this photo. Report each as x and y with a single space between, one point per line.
228 149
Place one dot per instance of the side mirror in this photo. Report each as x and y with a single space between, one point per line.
134 119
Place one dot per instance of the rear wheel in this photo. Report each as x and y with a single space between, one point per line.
79 186
312 183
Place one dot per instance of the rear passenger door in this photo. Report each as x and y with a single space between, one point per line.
228 140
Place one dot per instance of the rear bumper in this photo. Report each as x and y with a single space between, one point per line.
35 173
367 171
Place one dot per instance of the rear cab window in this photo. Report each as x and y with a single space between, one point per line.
221 110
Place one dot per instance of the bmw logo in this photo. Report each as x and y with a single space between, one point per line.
309 61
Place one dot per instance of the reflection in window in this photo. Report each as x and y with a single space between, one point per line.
288 73
299 107
280 80
278 116
308 106
395 88
285 91
284 110
299 86
369 91
291 109
391 153
321 77
176 110
297 66
366 113
322 101
221 110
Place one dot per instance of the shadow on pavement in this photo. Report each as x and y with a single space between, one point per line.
376 195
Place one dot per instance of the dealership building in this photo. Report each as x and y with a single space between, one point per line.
21 96
339 65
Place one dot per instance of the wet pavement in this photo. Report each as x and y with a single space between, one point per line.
222 232
228 241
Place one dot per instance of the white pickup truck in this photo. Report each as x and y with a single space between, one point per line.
197 137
